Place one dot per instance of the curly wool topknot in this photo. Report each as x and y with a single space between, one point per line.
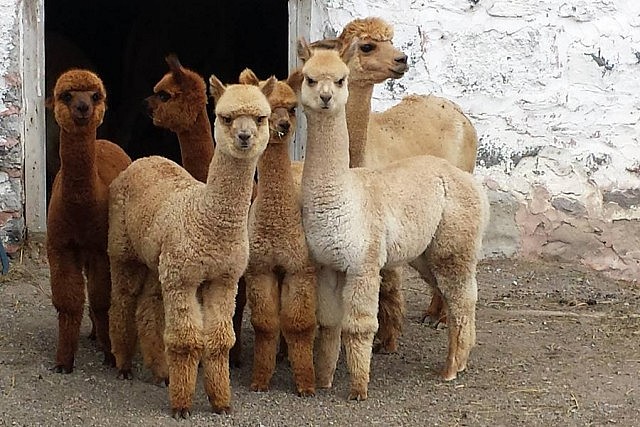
78 80
243 99
371 28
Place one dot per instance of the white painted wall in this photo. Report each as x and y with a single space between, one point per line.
560 139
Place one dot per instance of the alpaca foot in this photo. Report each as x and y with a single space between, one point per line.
62 369
307 392
161 380
358 393
222 410
259 387
436 321
450 373
125 374
389 347
181 413
109 359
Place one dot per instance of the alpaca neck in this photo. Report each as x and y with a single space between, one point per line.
77 164
358 112
196 146
228 189
327 151
275 179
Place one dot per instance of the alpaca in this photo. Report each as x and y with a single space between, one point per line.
179 103
77 217
194 236
417 125
281 279
359 221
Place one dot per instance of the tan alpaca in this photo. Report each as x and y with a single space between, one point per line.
194 236
281 280
179 103
415 126
77 215
359 221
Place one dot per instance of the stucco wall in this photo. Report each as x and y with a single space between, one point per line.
553 88
11 150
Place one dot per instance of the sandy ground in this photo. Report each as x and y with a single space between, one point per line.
557 345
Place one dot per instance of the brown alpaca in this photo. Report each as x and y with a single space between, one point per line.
194 237
359 221
179 103
77 217
281 279
417 125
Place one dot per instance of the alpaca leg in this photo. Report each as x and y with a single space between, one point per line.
218 302
436 313
298 319
391 311
127 279
460 294
329 313
359 325
67 293
183 340
99 292
263 295
150 322
235 355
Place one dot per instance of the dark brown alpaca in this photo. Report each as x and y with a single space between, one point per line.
179 103
77 218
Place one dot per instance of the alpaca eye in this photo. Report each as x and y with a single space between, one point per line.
96 97
65 97
292 111
310 81
164 96
260 119
367 47
340 82
226 120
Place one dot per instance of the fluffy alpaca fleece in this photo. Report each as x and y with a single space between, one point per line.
179 103
194 236
281 279
359 221
417 125
77 216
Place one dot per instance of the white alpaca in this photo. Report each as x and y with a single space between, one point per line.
421 210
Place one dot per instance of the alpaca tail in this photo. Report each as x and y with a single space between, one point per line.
4 259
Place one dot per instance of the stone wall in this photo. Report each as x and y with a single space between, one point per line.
553 88
11 127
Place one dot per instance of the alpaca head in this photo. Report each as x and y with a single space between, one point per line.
377 59
324 73
283 101
241 127
178 97
79 101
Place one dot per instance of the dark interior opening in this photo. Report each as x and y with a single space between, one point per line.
125 43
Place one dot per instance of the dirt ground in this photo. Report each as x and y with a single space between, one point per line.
557 345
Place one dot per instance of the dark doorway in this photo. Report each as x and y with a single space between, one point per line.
125 42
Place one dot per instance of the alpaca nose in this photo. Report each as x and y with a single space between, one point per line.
401 59
284 126
325 98
244 136
82 107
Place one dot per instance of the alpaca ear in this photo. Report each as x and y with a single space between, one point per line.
174 65
269 86
333 44
248 77
349 51
295 80
304 50
216 88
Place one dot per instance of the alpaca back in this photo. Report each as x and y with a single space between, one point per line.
421 125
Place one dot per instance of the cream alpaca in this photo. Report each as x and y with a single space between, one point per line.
194 236
359 221
281 280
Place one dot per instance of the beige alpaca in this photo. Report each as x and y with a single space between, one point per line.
281 279
194 236
359 221
417 125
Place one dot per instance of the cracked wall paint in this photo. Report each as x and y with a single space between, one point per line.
11 150
552 88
